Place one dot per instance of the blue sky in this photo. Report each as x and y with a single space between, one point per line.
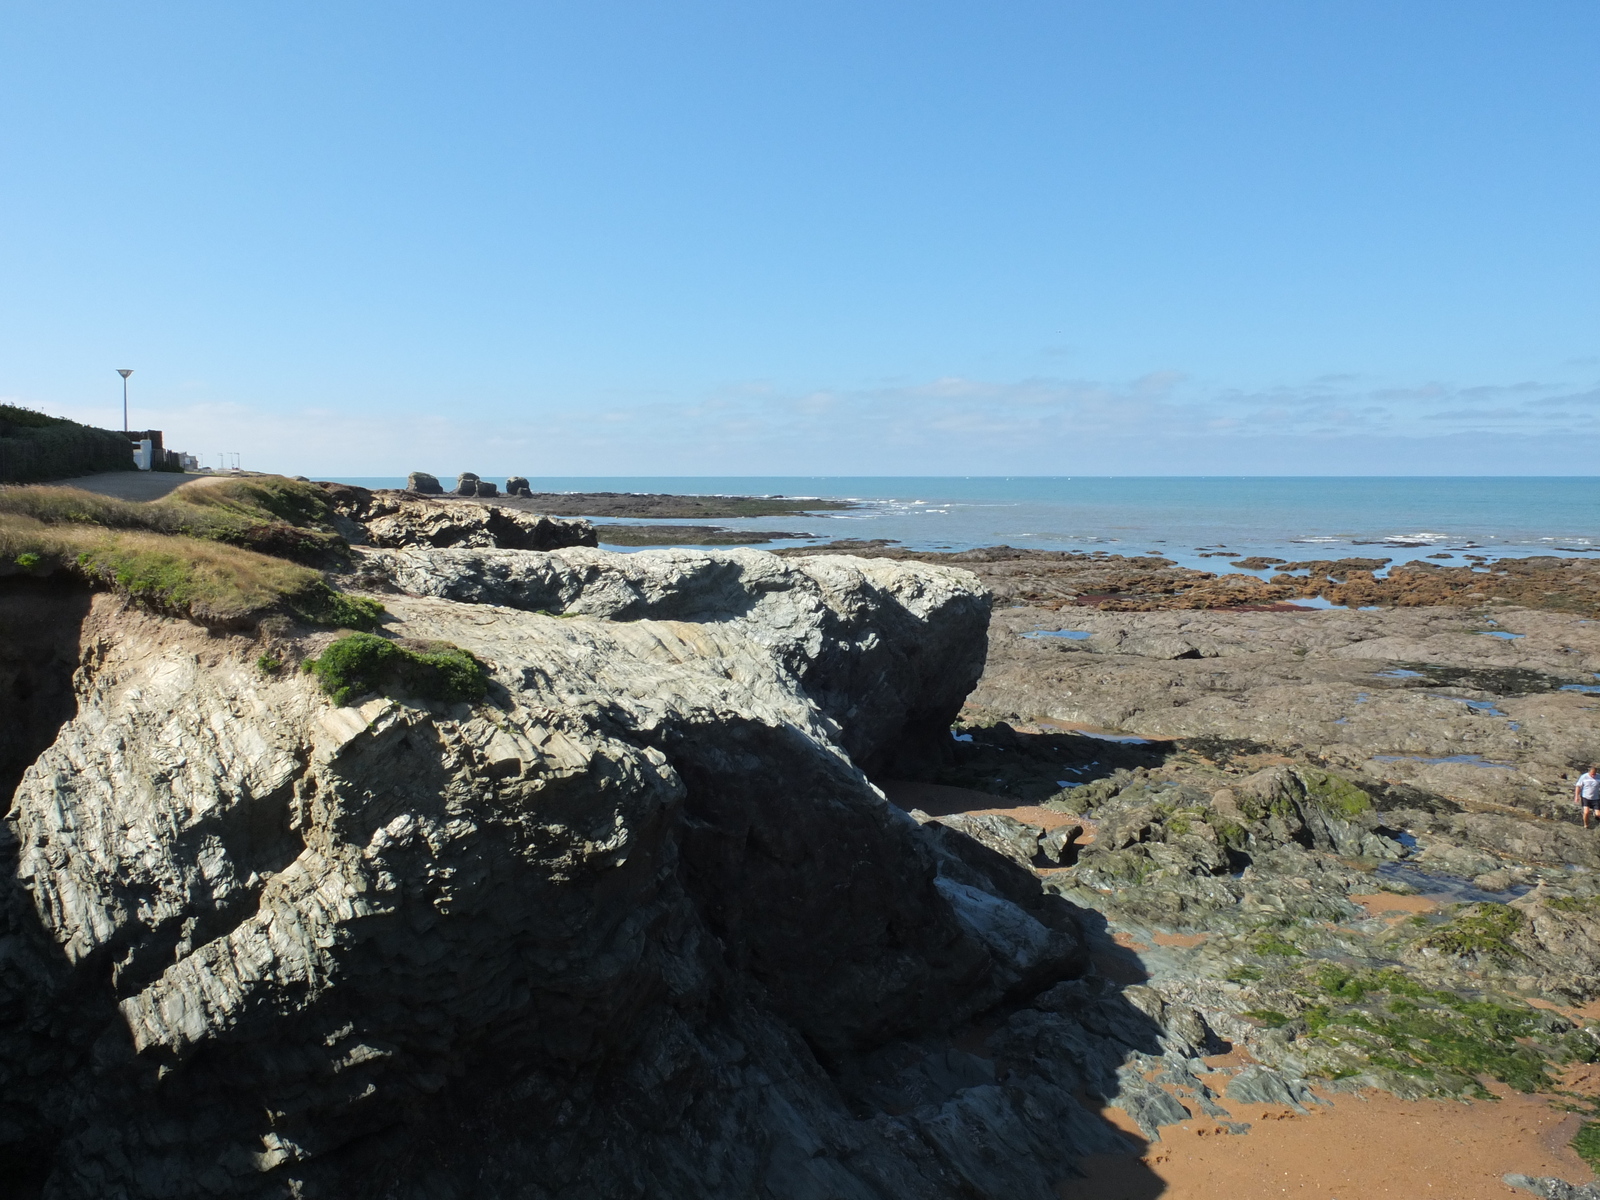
835 238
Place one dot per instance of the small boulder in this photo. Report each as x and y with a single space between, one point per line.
516 485
466 484
421 481
485 488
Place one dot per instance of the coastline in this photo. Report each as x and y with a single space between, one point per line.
1197 522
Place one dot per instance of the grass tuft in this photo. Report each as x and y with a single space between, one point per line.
363 662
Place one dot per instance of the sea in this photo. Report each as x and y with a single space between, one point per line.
1194 521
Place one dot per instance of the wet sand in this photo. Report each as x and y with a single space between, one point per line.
1366 1147
941 800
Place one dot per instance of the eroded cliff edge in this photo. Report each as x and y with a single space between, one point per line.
637 924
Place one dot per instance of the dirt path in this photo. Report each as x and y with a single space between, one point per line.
133 485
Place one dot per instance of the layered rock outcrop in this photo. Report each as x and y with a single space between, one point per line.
636 925
398 519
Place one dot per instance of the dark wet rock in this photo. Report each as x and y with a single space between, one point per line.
1015 839
466 484
485 488
1054 844
422 482
1151 1107
516 485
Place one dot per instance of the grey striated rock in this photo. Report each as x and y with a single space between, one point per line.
1015 839
421 481
391 519
607 933
1554 1189
887 650
1263 1085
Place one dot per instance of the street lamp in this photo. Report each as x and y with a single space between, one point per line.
124 372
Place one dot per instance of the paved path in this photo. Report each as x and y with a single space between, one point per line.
132 485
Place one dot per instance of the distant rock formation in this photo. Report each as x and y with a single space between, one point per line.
396 520
516 485
421 481
466 484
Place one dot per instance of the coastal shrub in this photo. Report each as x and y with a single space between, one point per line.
34 446
267 664
364 662
319 604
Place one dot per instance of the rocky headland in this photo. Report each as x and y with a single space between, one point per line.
506 866
425 499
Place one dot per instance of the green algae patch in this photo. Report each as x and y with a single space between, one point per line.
1275 945
1586 906
1333 794
1587 1144
363 662
1384 1020
1482 932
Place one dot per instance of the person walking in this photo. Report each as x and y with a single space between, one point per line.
1587 793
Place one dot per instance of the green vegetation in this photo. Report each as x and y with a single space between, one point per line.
269 514
214 551
1482 931
363 662
1587 1144
1587 906
1271 1018
268 665
319 604
34 446
1332 794
1273 944
1391 1021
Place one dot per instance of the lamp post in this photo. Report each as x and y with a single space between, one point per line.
124 372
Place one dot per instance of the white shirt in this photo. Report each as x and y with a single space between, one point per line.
1589 786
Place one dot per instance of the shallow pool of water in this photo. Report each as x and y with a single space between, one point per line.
1452 888
1074 635
1471 760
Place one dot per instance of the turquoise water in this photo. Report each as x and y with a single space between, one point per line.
1180 518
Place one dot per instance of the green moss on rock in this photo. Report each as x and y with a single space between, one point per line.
364 662
1482 932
